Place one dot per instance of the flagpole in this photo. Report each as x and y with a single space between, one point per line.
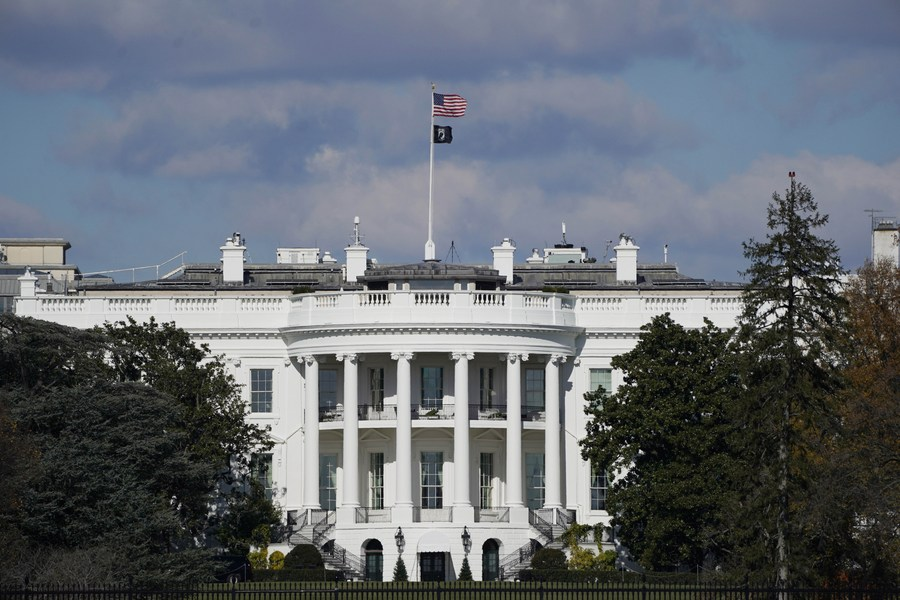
429 245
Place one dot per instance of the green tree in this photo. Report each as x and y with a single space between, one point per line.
124 470
400 570
792 304
465 571
666 434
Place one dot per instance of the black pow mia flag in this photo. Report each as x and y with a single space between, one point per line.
443 134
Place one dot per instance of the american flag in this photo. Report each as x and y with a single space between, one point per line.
449 105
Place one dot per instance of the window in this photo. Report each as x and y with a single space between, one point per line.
601 378
261 390
534 389
534 484
261 471
327 389
432 388
374 561
376 389
328 481
599 485
486 387
376 480
432 480
486 479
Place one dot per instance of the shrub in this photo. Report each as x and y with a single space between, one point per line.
259 558
298 575
465 572
303 556
276 560
548 559
400 570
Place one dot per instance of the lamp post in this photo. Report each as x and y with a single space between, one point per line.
466 540
398 537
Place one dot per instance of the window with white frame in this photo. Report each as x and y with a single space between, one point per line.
432 388
534 389
376 480
261 472
328 481
599 487
327 389
376 388
486 388
601 378
261 390
534 480
486 479
432 465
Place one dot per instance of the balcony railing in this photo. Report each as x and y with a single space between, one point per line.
430 411
432 515
492 515
364 514
378 412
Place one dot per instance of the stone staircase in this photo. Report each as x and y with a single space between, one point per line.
316 527
548 525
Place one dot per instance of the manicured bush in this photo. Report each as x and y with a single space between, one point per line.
303 556
548 559
400 570
276 560
465 572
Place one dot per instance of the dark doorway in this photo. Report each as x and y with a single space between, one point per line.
374 561
431 564
490 561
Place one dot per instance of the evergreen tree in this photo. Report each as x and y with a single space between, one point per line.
665 434
792 304
465 572
400 570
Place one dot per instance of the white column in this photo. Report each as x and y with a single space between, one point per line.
514 429
552 465
404 503
463 511
311 434
351 431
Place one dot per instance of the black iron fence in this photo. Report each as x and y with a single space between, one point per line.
445 591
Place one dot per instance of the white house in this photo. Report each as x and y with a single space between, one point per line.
428 410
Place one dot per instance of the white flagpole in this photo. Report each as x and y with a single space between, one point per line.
429 245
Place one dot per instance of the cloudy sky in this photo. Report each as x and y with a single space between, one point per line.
141 129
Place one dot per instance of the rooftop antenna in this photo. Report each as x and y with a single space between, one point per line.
665 253
356 240
872 212
564 232
452 253
606 252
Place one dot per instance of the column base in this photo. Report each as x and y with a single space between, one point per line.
463 513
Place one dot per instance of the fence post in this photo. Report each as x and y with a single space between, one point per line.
644 586
541 589
234 590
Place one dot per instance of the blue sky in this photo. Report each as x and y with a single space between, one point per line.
138 130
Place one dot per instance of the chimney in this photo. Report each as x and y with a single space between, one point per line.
503 259
27 284
885 242
626 260
357 255
233 259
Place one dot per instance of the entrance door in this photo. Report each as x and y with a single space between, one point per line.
431 565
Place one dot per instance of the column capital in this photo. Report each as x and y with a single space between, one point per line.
513 357
402 355
349 357
558 359
455 356
309 359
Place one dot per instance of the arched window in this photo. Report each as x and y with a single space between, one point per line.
490 561
374 561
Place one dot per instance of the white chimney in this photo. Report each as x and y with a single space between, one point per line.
233 259
357 255
27 284
885 242
626 260
503 259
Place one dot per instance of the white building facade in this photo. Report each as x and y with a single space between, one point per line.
430 411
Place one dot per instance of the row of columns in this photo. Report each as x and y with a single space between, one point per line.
462 500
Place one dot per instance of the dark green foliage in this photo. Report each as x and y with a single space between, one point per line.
117 464
548 559
668 426
303 556
400 570
248 520
792 306
320 574
465 572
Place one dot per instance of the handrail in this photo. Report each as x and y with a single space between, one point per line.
543 527
345 559
519 557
